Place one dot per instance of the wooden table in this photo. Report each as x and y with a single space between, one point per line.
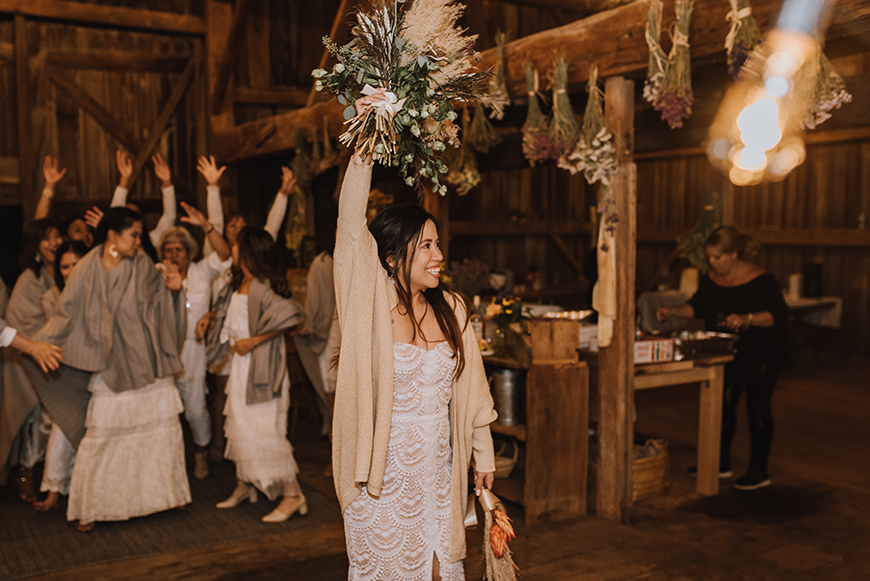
710 373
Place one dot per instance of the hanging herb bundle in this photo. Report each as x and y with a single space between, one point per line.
480 134
498 93
658 60
676 98
563 124
463 174
536 139
316 155
595 152
301 161
415 55
295 230
829 93
743 37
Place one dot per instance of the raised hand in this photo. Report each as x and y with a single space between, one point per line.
209 170
51 173
171 277
288 181
161 170
194 216
93 217
125 168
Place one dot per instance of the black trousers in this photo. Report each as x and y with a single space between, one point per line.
758 382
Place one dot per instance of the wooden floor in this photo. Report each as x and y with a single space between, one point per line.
812 523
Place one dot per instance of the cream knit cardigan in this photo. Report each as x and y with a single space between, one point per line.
364 391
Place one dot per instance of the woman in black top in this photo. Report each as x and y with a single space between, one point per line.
739 296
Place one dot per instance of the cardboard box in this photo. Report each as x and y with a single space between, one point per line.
653 350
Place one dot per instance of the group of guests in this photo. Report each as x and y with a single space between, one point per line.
120 327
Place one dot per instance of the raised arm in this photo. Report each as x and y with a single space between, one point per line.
167 220
279 206
125 171
217 241
52 176
212 174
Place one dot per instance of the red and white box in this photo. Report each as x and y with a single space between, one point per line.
653 350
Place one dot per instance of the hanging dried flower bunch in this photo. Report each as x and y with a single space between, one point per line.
462 162
301 160
416 55
536 139
563 124
497 533
480 134
658 60
675 98
498 93
829 93
595 152
743 37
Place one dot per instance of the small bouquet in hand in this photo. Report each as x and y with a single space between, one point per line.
414 54
498 532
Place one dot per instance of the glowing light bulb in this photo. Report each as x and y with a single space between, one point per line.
750 159
759 125
777 86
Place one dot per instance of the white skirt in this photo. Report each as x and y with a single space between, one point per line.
131 461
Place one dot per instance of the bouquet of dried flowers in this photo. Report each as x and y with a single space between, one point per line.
563 124
498 93
462 165
676 98
743 37
415 55
498 532
480 134
658 60
536 139
595 152
301 160
829 93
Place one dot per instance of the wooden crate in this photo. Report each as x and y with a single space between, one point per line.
554 339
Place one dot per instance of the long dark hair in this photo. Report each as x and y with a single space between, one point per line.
117 219
397 230
257 252
77 247
34 233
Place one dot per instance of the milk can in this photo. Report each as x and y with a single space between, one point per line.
508 388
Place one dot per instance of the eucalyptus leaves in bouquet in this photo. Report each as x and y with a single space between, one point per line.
413 53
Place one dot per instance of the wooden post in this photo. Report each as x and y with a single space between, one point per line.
25 144
616 362
218 17
223 75
200 98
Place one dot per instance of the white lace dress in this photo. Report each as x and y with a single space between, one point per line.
395 537
256 433
131 461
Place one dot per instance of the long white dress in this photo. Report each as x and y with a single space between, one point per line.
395 536
131 461
256 433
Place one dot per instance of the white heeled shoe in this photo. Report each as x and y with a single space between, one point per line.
280 513
240 494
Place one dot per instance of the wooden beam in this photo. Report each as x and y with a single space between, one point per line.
544 228
9 171
275 134
614 40
616 361
218 15
159 126
97 112
586 7
116 60
106 15
272 96
566 252
200 116
340 15
25 137
228 59
831 237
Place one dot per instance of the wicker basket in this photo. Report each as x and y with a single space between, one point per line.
503 464
650 470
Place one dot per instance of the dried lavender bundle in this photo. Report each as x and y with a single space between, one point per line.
743 36
676 97
658 60
536 140
563 124
480 134
830 93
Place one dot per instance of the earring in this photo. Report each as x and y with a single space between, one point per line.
113 251
38 258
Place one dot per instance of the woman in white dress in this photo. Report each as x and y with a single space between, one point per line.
412 401
60 456
251 319
121 324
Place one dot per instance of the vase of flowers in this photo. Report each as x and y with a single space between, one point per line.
507 312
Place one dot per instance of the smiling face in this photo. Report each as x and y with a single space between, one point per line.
721 262
48 245
78 230
128 241
176 253
67 261
425 267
